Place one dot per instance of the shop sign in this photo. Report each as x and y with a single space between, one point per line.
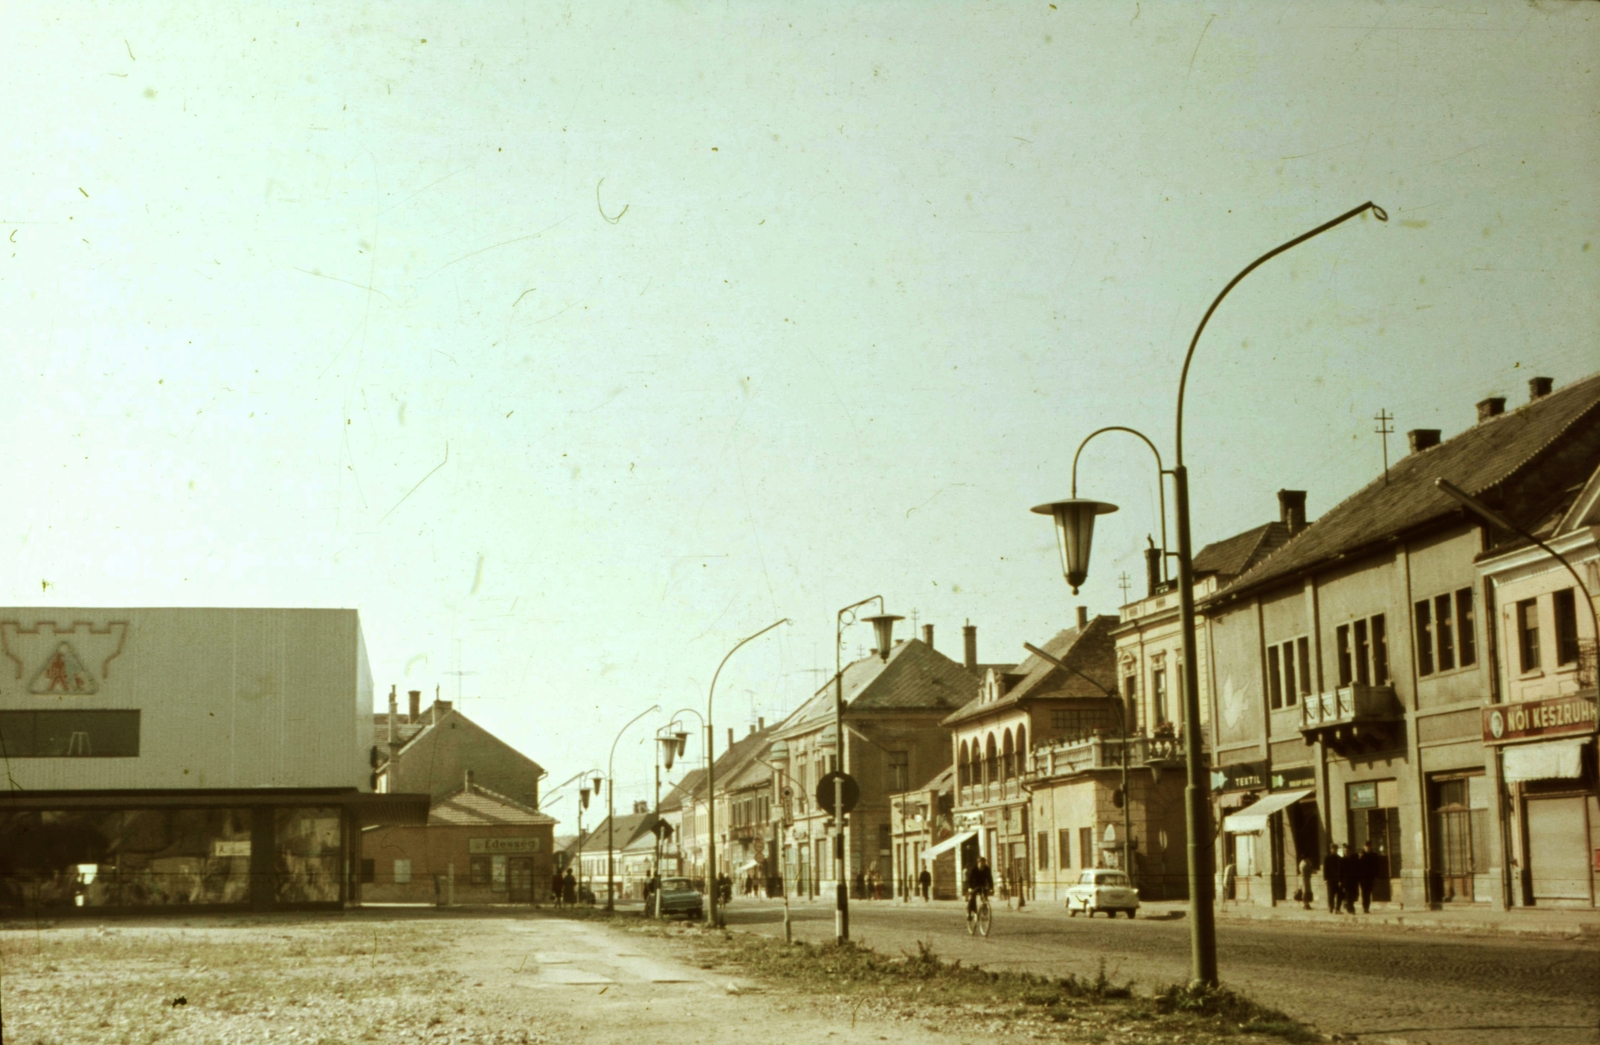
220 848
1241 776
1294 777
502 845
1538 718
1364 796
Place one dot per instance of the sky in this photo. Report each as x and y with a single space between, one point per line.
573 344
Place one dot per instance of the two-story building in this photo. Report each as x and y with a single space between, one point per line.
894 703
429 750
1361 642
1541 731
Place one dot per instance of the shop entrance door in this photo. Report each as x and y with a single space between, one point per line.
1460 848
519 879
1558 848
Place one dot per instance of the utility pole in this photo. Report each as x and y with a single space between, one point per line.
1385 430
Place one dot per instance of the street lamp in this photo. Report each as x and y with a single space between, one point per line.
583 803
683 740
1075 529
883 631
611 812
712 919
670 742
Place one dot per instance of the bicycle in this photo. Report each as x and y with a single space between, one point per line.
979 919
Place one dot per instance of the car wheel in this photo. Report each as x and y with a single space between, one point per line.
1131 912
1072 912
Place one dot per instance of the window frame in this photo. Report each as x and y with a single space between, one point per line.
1362 647
1564 604
1289 672
1529 654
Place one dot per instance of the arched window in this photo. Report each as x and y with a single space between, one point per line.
991 762
963 766
1008 763
1022 750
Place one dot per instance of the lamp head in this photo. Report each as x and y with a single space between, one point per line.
1075 533
583 798
883 629
598 780
683 742
669 749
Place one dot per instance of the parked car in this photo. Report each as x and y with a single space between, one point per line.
1102 889
679 896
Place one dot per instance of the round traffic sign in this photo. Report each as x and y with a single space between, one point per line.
825 792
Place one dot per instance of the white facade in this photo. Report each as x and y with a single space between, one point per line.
225 698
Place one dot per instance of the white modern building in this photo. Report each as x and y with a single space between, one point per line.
166 758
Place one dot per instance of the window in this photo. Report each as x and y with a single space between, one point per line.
1528 634
1158 695
1363 647
481 870
1076 723
1566 607
963 766
497 874
992 758
1086 847
70 734
1044 850
899 770
1130 693
1289 672
1064 840
1446 632
369 870
402 872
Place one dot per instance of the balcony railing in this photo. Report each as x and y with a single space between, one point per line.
1353 703
1102 751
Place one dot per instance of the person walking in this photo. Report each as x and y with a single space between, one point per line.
1350 878
1368 864
1306 869
555 888
569 888
1332 878
925 884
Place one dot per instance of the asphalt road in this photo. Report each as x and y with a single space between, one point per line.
1378 982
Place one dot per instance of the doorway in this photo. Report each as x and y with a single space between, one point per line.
1460 830
519 879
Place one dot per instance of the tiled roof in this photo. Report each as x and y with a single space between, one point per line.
1234 555
403 730
942 781
916 677
1489 455
674 799
1091 650
479 807
628 827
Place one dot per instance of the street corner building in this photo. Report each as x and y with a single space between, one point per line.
168 759
1403 674
478 847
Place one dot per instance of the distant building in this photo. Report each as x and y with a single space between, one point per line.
923 822
429 750
169 759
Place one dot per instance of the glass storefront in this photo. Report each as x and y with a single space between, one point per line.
309 855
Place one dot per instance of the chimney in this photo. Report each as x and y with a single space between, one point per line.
1152 568
416 705
761 722
752 731
394 733
927 635
1083 617
969 646
730 736
1422 438
469 782
1494 406
1292 510
440 709
1539 387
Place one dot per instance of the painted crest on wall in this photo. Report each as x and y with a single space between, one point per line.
63 672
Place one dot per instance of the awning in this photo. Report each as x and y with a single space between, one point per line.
948 844
1252 819
747 865
1549 760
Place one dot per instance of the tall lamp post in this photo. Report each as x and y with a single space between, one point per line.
1074 520
713 915
583 803
611 812
690 815
883 629
670 743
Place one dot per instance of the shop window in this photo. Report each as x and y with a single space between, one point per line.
1373 815
480 870
497 873
1064 841
1446 632
70 734
1566 613
1363 652
1528 634
309 855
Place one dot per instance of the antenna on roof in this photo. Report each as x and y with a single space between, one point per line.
1383 417
1124 582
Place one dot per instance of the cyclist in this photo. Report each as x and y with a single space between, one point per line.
979 882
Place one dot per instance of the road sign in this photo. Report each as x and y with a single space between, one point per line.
852 791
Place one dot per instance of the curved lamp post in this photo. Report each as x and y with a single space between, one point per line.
583 803
681 747
713 919
611 812
670 743
883 632
1074 520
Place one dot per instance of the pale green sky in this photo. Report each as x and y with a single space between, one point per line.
857 280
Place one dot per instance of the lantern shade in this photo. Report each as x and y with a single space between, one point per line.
583 798
883 629
669 749
1075 533
598 780
683 742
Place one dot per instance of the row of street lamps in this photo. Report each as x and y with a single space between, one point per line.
1074 523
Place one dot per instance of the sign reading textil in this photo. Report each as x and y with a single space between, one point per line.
1538 718
1241 776
502 845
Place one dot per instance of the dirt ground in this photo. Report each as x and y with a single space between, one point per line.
483 978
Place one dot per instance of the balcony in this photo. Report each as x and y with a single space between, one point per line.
1101 751
1352 720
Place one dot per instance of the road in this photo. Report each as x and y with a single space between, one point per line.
1378 982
